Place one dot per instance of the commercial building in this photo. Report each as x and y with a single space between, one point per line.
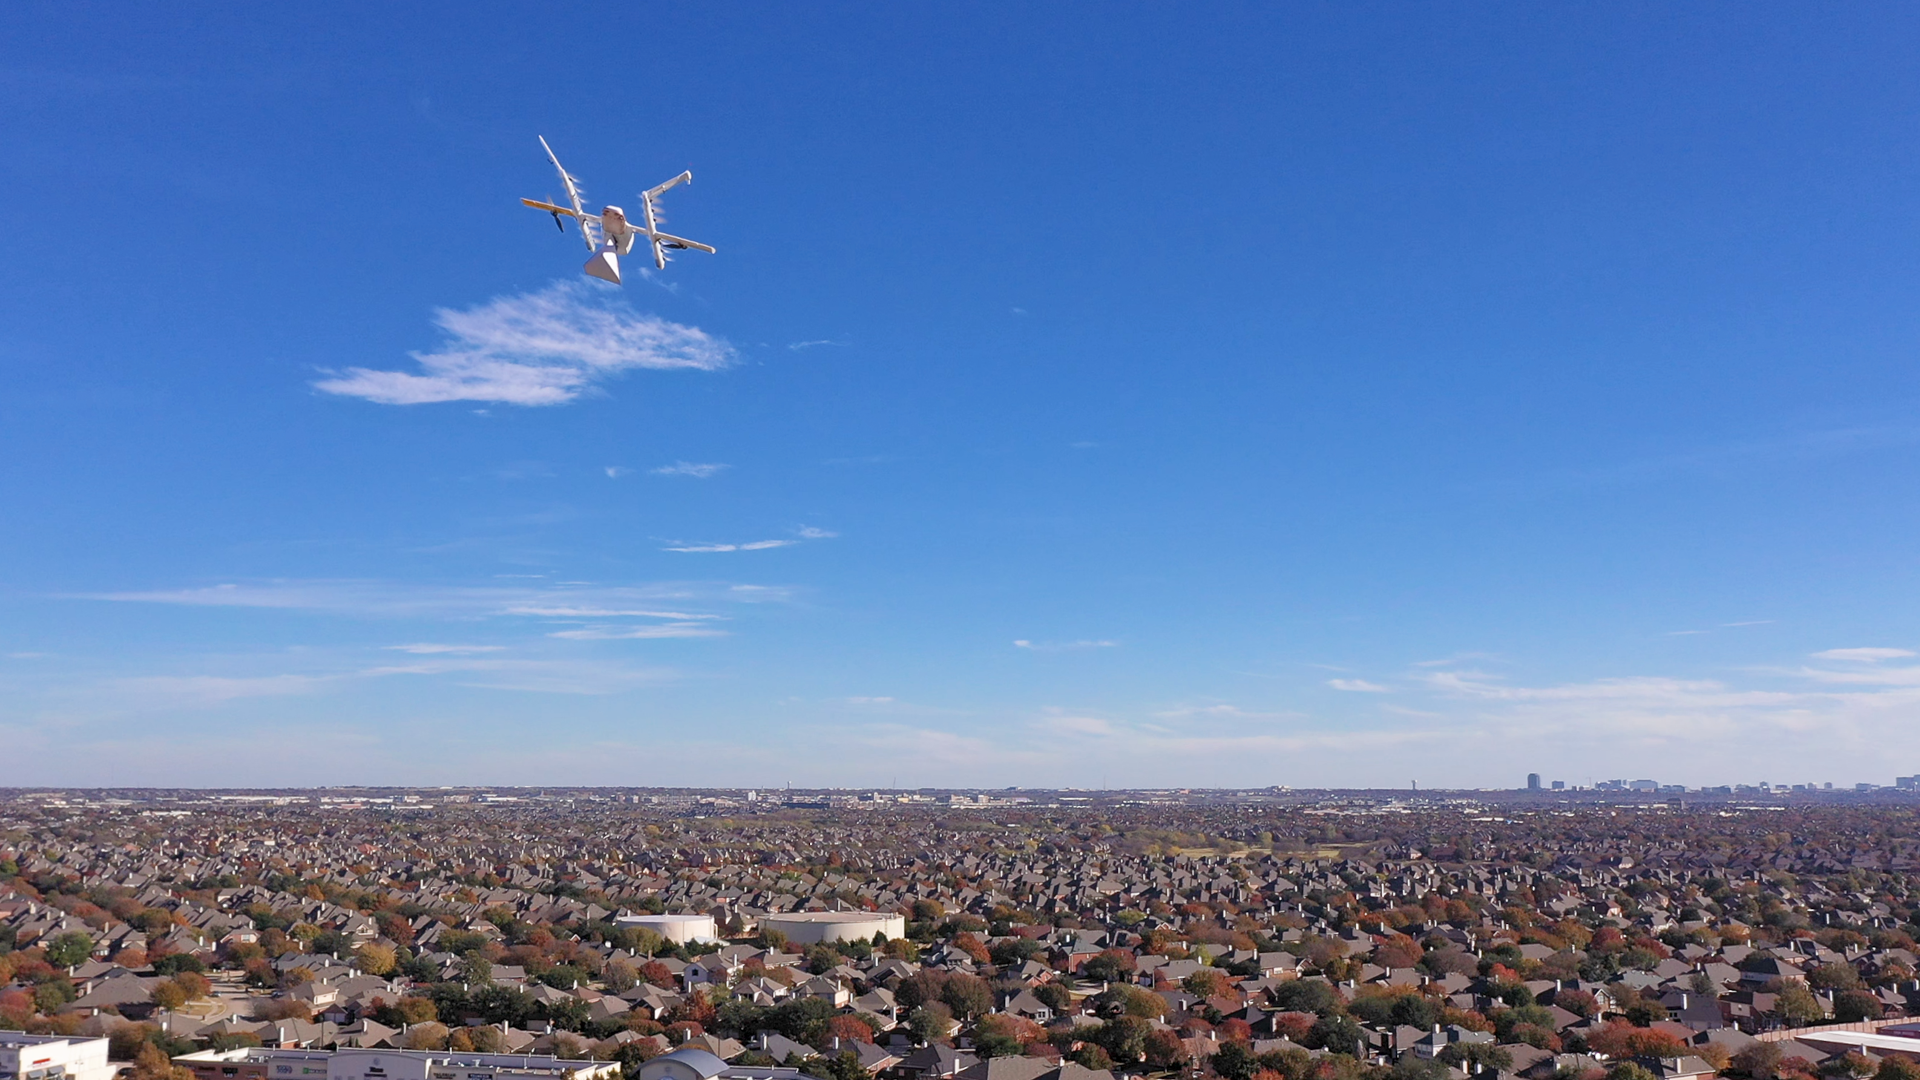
693 1063
53 1057
678 929
268 1063
815 927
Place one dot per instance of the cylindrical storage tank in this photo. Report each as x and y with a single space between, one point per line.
678 929
814 927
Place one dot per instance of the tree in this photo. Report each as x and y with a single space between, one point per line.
1125 999
619 976
1621 1040
967 995
1054 996
845 1066
1414 1067
1851 1006
193 985
1112 965
415 1010
69 949
1578 1002
1487 1056
1206 983
1835 976
1304 995
175 963
931 1022
476 969
1092 1056
1124 1038
1897 1068
428 1036
1337 1033
1629 1070
375 958
850 1028
1164 1050
1758 1061
1234 1061
169 996
152 1063
1797 1005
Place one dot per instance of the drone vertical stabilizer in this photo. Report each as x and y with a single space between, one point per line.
605 264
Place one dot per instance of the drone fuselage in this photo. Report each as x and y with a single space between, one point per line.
619 232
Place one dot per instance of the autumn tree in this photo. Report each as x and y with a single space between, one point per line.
1205 983
375 958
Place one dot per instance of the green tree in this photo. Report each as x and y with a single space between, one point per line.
70 949
1852 1006
1205 983
967 995
476 969
1235 1062
1487 1056
844 1066
1798 1006
1113 965
175 963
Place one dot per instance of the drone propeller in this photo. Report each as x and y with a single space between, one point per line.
557 223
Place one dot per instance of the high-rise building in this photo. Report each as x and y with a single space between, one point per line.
1533 781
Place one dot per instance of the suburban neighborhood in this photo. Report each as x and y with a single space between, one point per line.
649 935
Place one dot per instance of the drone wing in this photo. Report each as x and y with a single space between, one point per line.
663 242
574 196
678 242
656 192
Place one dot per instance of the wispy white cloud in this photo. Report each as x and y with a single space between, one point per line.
427 648
1221 712
576 611
1063 646
1864 656
804 532
757 545
798 346
569 602
640 633
615 472
695 469
542 348
1358 686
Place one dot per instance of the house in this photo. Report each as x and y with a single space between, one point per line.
935 1062
1677 1068
1430 1045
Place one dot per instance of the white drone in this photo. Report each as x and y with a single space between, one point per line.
609 234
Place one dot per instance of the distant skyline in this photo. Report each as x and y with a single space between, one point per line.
1321 396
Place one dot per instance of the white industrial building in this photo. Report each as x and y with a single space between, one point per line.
814 927
678 929
268 1063
53 1057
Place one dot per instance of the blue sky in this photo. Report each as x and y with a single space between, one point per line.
1320 395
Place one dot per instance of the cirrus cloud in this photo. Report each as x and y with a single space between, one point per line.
541 348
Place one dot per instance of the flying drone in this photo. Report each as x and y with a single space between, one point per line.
608 233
